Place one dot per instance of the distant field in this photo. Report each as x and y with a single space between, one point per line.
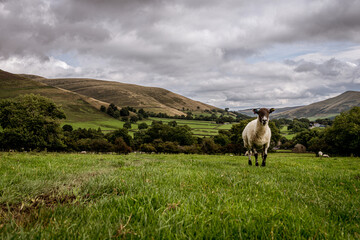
330 116
199 128
286 133
137 196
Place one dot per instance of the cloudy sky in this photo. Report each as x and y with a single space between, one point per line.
228 53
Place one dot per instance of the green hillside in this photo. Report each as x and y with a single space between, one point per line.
324 109
151 99
77 108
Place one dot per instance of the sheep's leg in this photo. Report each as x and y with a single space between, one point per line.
264 155
249 155
256 157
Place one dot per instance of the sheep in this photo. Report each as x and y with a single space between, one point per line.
257 133
321 155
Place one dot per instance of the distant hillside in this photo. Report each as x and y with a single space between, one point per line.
249 112
76 107
81 98
149 98
326 108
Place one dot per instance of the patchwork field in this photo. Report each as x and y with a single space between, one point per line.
140 196
286 133
199 128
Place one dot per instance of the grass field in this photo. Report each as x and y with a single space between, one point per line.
85 196
199 128
286 133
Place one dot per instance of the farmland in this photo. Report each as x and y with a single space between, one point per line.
98 196
199 128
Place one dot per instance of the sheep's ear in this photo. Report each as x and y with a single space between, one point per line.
271 110
255 111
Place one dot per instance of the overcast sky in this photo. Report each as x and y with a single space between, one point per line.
228 53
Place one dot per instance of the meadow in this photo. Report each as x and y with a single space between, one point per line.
160 196
286 133
199 128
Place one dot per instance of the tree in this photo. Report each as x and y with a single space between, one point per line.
209 147
222 139
143 126
143 113
299 125
120 146
30 122
344 135
172 123
103 108
127 125
113 111
134 119
124 112
304 137
123 133
67 128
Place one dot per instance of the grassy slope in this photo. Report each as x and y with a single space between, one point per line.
77 108
150 98
62 196
286 133
82 111
324 109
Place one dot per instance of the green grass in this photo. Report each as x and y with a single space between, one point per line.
199 128
286 133
323 117
67 196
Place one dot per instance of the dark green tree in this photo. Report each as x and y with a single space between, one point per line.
172 123
134 119
123 133
30 122
344 135
127 125
67 128
143 126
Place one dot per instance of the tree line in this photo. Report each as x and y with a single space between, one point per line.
342 137
32 122
130 114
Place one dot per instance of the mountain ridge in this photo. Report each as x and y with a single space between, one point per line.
93 93
328 107
152 99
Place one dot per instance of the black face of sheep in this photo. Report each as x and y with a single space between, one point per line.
263 114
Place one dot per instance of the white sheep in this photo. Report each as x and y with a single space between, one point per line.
257 133
321 155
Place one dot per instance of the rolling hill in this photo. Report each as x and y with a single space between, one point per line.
151 99
77 107
250 113
327 108
81 98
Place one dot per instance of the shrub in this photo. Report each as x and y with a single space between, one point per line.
127 125
121 147
209 147
67 128
143 126
147 147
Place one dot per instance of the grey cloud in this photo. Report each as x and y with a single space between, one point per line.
329 68
305 67
196 48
